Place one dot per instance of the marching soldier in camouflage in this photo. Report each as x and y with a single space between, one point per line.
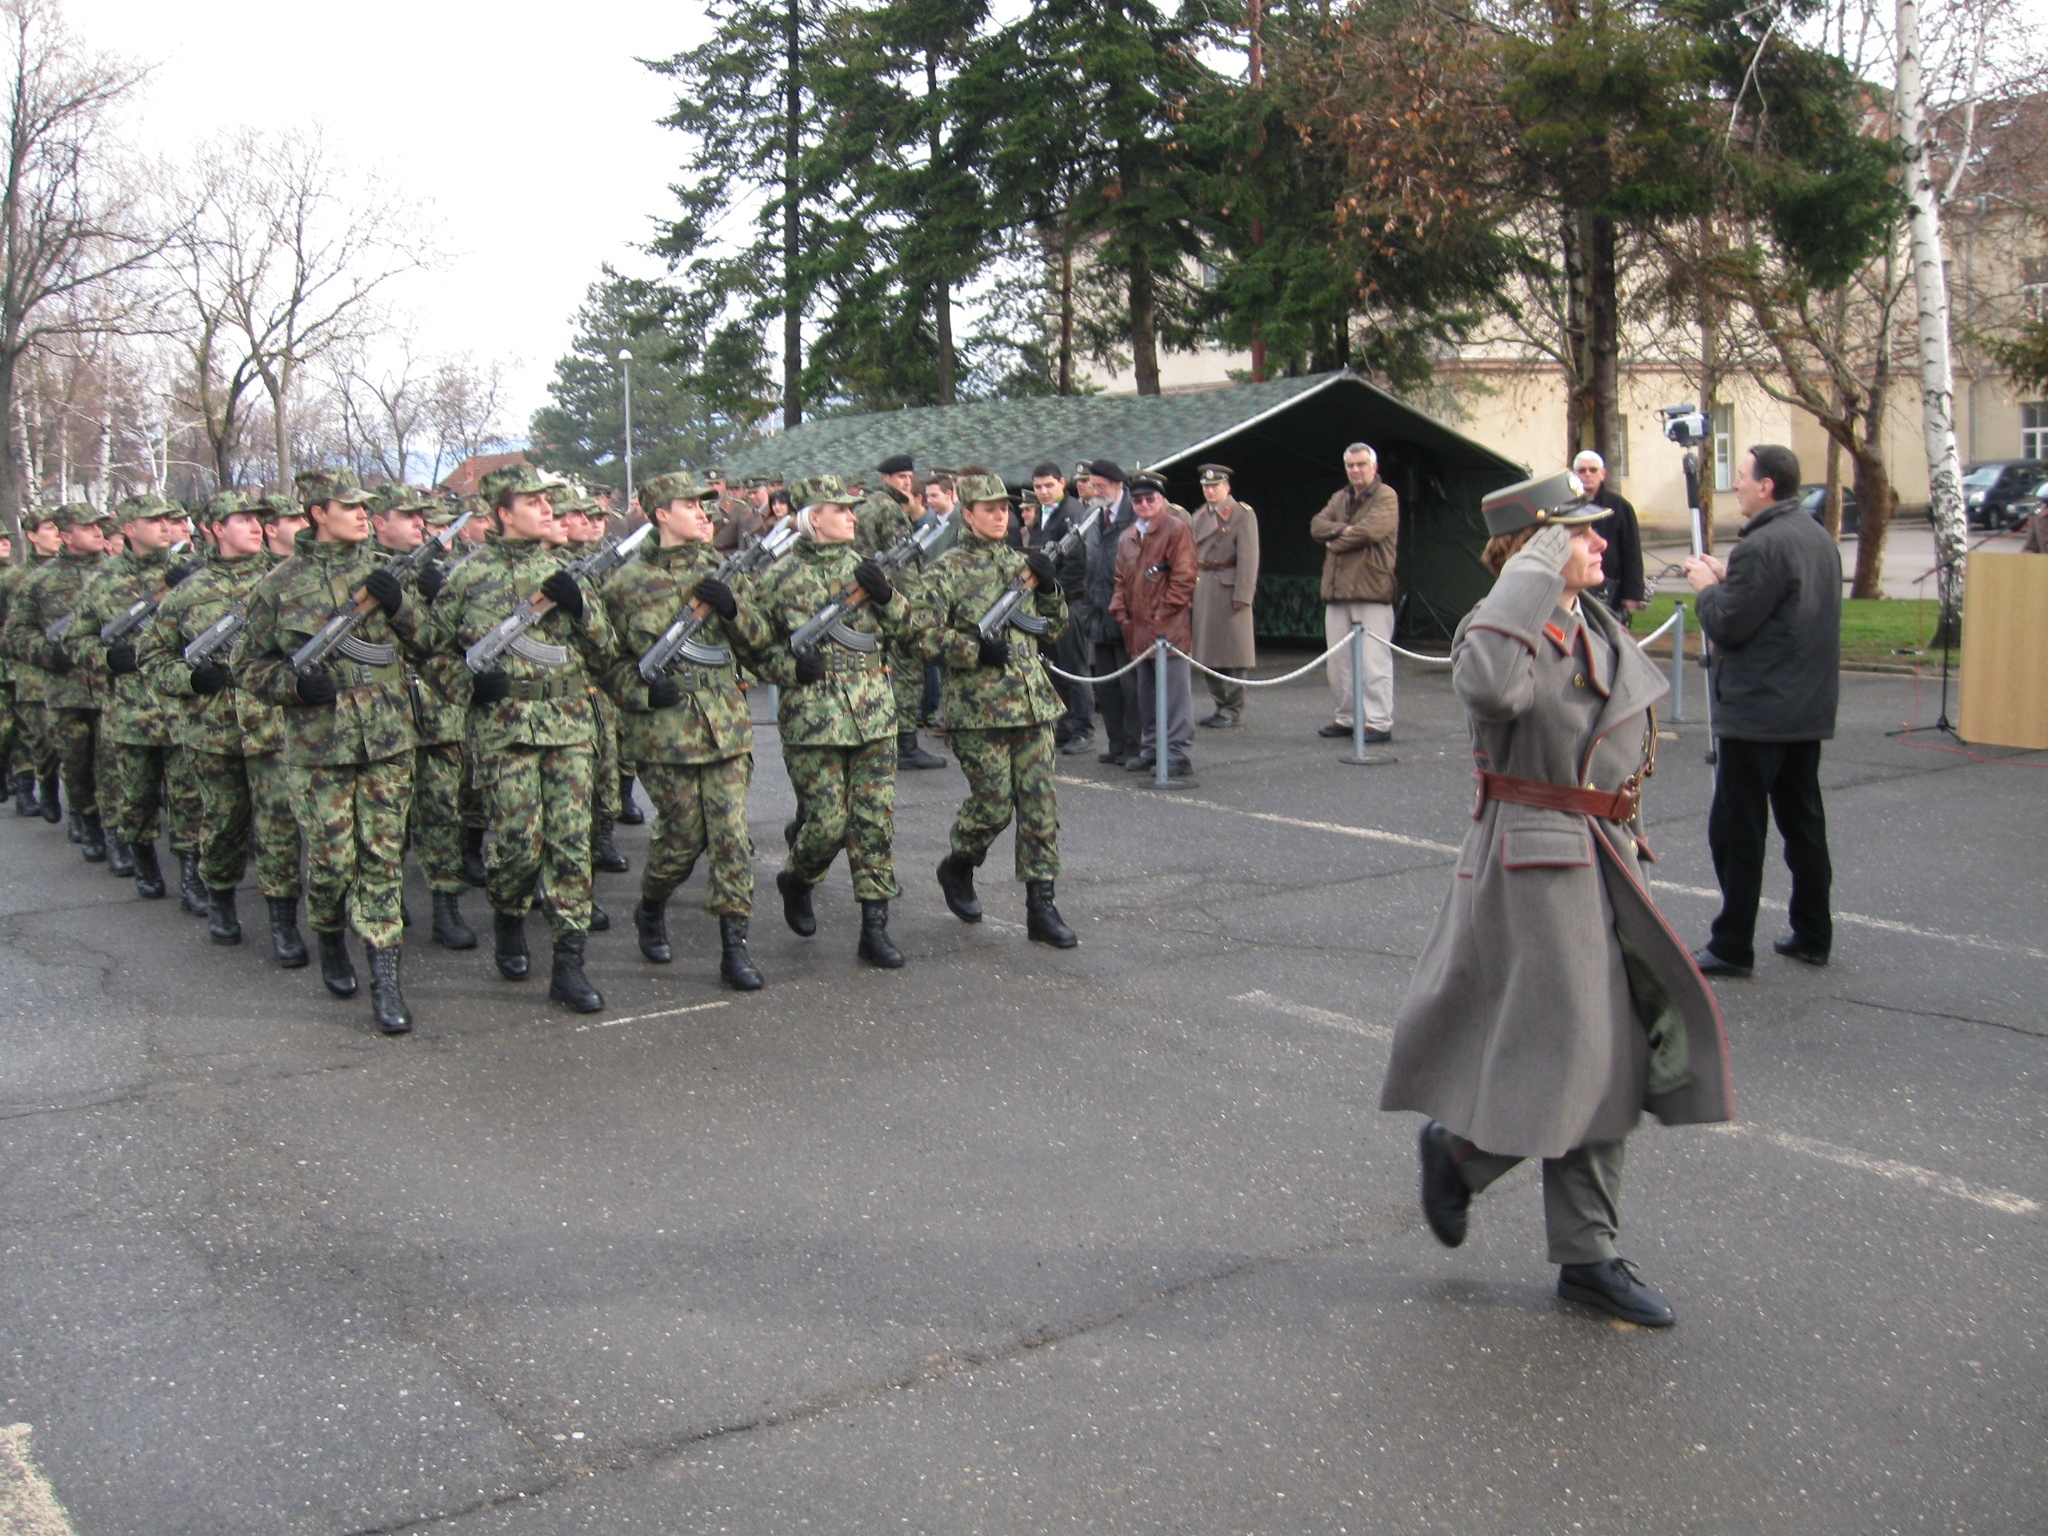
532 725
689 731
1000 707
70 705
582 519
399 517
245 803
837 715
30 755
349 737
892 511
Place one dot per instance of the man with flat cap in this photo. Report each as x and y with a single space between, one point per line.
1226 577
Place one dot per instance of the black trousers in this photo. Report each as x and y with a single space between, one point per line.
1118 701
1756 780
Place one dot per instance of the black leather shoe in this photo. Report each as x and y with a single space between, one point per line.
1042 922
789 831
569 984
47 801
1614 1288
600 920
604 853
1374 736
1446 1200
336 969
650 922
956 884
630 814
796 904
120 859
74 827
1790 947
734 963
1078 745
223 925
287 947
509 929
1114 759
1334 730
1711 964
910 753
149 875
93 846
876 947
1140 764
192 890
473 855
23 788
387 1000
450 931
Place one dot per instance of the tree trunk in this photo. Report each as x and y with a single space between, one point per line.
1875 498
792 150
280 427
1603 338
1578 398
1144 321
10 462
942 289
1831 504
1066 355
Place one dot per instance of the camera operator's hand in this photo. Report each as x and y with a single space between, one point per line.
810 668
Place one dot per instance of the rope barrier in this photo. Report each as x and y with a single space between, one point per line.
1249 682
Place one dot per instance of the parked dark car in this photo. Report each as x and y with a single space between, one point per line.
1814 499
1991 488
2018 513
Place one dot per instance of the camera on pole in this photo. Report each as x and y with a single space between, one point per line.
1685 426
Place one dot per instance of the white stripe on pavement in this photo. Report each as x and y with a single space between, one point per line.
1321 1016
28 1504
642 1018
1904 1173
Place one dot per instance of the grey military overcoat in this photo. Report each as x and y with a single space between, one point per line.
1226 574
1552 1003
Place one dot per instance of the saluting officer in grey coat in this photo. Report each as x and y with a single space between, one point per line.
1552 1004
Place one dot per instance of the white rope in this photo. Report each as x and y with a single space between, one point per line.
1667 624
1434 661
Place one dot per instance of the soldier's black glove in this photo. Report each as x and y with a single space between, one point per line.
56 659
874 581
121 658
209 678
1040 565
663 693
810 668
994 653
487 688
317 688
561 590
177 573
430 579
717 596
384 588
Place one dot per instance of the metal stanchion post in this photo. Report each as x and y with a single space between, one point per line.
1159 754
1359 757
1678 662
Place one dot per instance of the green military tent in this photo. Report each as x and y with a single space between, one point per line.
1284 439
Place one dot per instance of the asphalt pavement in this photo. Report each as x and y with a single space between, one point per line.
1016 1240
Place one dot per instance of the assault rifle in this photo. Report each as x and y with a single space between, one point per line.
593 567
218 636
678 642
143 609
831 619
351 613
1008 609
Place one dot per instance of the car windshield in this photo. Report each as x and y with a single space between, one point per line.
1984 475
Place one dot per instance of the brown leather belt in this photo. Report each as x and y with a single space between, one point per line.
1215 565
1617 805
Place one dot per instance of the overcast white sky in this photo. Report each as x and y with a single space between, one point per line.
519 121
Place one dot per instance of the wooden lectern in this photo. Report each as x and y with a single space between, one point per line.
2005 651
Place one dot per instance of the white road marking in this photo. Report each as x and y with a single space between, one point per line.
1321 1016
642 1018
1880 924
1372 834
28 1504
1904 1173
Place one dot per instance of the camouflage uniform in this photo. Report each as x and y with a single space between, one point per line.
71 705
26 755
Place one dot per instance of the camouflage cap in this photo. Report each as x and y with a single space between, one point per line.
973 488
277 505
677 485
222 505
317 487
500 485
132 509
388 499
35 517
575 500
441 511
822 491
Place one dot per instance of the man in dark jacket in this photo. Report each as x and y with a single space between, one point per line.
1622 591
1089 612
1774 613
1057 512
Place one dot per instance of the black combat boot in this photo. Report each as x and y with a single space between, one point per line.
735 964
223 925
120 858
287 948
789 831
910 752
24 787
513 960
569 984
149 876
74 827
450 931
630 814
796 904
600 920
336 969
93 846
604 853
956 883
47 801
1042 918
387 1002
875 945
650 921
473 855
191 889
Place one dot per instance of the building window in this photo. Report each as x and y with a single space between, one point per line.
2034 429
1618 470
1724 447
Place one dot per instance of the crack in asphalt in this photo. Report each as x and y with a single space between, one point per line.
1934 1013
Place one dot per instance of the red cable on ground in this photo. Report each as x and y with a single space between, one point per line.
1926 746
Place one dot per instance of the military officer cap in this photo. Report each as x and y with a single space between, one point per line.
975 488
1551 499
1214 474
824 491
896 464
501 485
715 473
222 505
401 498
132 509
1144 481
316 487
676 485
78 514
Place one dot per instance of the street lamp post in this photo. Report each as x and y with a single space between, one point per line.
626 384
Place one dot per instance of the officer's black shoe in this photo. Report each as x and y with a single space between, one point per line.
1791 947
1614 1287
569 984
93 846
600 920
336 969
473 855
734 963
1140 764
1711 964
514 963
1042 919
1445 1197
191 889
1078 744
796 904
875 945
74 828
287 947
223 926
604 853
630 814
650 922
149 876
387 1001
1113 757
450 931
47 801
120 858
910 753
956 883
